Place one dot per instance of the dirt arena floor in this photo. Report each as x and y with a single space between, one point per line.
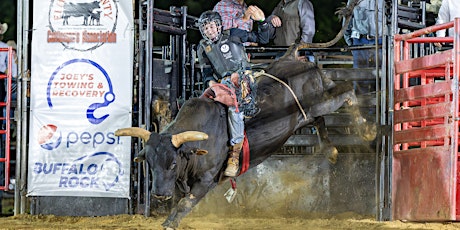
342 221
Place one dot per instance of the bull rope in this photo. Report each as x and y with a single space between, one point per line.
262 73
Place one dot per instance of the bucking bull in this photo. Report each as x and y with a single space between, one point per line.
189 155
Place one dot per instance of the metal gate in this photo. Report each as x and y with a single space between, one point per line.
425 135
5 122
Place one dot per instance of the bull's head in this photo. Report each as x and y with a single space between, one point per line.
165 155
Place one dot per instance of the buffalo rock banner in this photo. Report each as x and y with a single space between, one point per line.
81 87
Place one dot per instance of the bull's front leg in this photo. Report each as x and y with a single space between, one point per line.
185 205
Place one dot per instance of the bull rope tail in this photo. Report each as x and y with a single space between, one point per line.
260 73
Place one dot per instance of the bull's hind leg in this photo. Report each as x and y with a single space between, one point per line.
337 97
366 130
325 143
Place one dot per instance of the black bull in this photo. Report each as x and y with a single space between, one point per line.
179 162
84 10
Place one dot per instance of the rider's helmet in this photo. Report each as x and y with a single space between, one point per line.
210 24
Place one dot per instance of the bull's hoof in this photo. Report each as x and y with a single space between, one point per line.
351 101
332 153
169 225
368 132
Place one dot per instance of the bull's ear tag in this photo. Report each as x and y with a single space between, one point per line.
230 194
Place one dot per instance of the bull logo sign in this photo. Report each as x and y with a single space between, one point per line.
82 25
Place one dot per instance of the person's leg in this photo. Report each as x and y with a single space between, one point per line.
236 127
363 58
360 56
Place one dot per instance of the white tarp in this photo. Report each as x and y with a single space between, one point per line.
81 92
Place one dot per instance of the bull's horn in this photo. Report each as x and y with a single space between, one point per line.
180 138
134 132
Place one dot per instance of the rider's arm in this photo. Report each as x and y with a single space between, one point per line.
205 66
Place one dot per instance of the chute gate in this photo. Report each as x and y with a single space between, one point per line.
5 106
425 135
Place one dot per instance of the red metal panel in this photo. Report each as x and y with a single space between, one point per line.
418 33
434 132
430 40
423 113
423 91
435 72
429 61
421 185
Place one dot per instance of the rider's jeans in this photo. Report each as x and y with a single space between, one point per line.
236 125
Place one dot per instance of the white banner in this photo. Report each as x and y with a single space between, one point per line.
81 92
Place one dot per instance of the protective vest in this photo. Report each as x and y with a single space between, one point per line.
226 56
287 34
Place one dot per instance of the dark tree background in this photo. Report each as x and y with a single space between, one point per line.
8 15
327 23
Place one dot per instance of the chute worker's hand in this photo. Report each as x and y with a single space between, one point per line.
276 21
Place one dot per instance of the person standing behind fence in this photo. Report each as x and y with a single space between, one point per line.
294 21
449 10
363 30
4 61
12 44
237 20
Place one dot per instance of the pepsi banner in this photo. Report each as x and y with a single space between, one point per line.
81 92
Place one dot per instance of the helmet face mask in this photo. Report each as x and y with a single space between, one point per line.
210 24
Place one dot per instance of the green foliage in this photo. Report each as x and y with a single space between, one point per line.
8 15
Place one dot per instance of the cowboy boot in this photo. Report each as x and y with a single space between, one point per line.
233 160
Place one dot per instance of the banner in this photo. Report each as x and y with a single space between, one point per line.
81 92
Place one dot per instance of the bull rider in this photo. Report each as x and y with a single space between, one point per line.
227 74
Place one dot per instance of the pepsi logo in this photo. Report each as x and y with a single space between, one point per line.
48 137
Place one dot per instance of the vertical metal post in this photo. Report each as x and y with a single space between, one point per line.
143 39
17 194
192 69
455 79
380 116
183 52
148 95
423 8
20 200
391 87
172 40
